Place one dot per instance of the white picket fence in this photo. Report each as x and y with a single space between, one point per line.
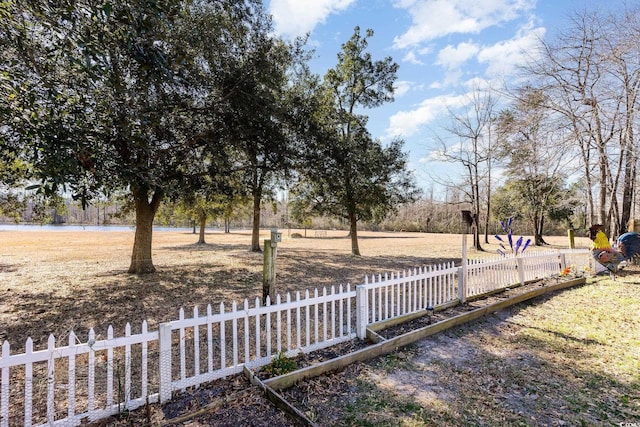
92 380
485 276
394 295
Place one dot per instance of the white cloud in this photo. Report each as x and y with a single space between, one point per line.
437 18
503 58
298 17
452 77
407 123
401 87
411 58
453 57
413 55
478 83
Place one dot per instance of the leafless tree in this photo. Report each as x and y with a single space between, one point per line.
471 127
529 136
591 74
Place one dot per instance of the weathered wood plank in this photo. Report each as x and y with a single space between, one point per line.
280 402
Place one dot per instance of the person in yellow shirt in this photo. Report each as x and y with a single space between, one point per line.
627 247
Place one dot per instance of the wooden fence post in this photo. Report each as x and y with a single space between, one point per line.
4 395
361 311
572 242
520 263
462 272
462 285
164 344
269 270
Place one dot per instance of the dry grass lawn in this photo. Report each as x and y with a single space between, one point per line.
54 282
571 358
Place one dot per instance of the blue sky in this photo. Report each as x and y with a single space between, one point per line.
444 48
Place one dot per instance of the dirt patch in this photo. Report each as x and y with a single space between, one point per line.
540 363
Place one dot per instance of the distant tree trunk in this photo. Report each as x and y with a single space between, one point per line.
476 206
586 160
353 232
141 262
476 233
538 229
628 190
255 233
203 223
227 225
488 207
603 169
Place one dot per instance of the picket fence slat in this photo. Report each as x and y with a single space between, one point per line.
233 338
82 348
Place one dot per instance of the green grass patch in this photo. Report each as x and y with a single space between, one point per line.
569 358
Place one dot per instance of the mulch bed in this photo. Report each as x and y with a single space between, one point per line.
450 312
234 401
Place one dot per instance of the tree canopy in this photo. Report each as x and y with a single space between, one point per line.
346 173
127 95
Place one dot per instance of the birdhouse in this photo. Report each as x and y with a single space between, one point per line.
276 236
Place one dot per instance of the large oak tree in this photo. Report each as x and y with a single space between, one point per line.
104 96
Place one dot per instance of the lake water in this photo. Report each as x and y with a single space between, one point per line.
35 227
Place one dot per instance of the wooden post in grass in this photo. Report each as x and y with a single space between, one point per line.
268 271
269 267
467 217
572 243
164 342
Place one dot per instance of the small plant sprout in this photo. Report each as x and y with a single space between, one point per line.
514 249
280 365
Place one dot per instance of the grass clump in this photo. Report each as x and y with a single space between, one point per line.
280 365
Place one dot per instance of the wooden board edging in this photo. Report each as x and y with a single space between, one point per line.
285 381
280 402
383 324
374 337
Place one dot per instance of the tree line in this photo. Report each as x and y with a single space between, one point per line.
425 215
564 148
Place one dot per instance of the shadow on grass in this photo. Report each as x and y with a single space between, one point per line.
347 237
493 369
7 268
114 297
208 247
559 335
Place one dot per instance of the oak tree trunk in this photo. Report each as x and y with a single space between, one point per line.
255 232
203 223
141 261
353 232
